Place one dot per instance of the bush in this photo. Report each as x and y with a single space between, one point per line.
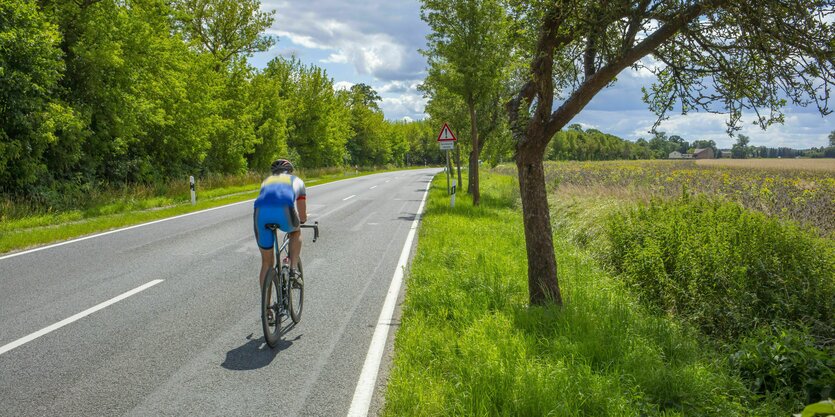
723 268
777 361
735 274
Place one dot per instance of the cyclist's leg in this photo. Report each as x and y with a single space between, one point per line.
265 239
289 223
295 248
267 262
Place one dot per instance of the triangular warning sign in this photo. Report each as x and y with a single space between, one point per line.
446 134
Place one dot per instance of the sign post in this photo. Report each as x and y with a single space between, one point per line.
446 169
454 182
446 140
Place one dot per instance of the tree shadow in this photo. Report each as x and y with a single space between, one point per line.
255 353
407 217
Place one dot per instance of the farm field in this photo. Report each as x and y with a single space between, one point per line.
796 164
800 190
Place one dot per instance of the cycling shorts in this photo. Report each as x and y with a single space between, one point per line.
283 215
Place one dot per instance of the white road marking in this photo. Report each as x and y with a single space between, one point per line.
373 187
120 230
361 224
368 377
349 197
146 224
85 313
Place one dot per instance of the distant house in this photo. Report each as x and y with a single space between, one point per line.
727 154
705 153
679 155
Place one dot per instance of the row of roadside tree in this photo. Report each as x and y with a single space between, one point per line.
147 90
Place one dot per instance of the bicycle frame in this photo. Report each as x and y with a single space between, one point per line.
285 242
281 282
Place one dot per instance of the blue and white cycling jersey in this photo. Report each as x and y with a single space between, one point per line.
283 189
276 204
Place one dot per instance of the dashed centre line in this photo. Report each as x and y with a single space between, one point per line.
349 197
85 313
373 187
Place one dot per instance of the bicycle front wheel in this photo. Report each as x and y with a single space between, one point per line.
270 299
296 295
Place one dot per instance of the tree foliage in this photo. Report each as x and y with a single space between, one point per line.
728 56
226 29
110 91
30 67
468 56
593 145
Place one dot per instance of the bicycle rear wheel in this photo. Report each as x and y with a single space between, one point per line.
296 295
270 299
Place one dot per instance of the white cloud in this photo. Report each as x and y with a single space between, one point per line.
301 40
342 85
376 42
399 87
646 68
404 105
337 58
379 38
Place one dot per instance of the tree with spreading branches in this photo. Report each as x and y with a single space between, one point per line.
724 56
226 28
467 54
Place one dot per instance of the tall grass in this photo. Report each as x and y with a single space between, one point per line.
33 220
762 288
470 345
75 201
766 288
72 201
724 268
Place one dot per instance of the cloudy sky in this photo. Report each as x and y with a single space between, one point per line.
376 42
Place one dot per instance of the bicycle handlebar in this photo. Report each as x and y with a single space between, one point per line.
315 227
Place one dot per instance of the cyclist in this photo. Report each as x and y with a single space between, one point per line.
282 201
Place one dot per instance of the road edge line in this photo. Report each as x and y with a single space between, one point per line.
367 381
79 239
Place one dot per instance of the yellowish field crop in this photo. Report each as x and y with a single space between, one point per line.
796 164
799 190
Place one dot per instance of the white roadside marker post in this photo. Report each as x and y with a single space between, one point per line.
452 202
191 185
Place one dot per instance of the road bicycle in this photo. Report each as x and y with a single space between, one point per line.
281 294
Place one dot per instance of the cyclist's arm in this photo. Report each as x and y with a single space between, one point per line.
301 205
301 198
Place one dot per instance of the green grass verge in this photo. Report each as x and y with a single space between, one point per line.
470 345
42 229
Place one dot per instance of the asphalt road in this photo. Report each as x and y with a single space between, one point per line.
192 344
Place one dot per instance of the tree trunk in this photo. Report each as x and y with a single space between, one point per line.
458 165
470 170
542 264
474 155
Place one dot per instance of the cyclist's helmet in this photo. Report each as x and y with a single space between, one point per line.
282 165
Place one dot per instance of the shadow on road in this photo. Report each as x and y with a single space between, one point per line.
407 217
255 353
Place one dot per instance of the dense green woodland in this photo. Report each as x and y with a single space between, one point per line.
95 91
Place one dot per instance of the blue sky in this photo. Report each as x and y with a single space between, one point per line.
376 42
